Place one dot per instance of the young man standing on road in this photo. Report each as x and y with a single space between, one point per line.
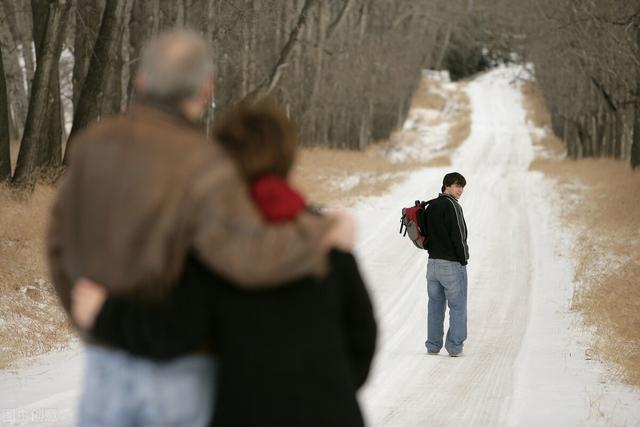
446 268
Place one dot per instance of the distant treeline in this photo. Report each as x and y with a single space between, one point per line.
587 62
344 69
586 57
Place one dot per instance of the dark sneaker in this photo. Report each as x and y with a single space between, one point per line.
432 353
458 354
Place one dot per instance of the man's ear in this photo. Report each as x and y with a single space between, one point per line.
140 83
207 90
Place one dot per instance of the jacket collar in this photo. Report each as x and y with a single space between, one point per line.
146 103
449 196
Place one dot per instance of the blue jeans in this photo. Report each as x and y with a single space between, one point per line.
446 283
124 390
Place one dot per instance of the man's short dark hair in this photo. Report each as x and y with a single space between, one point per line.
453 178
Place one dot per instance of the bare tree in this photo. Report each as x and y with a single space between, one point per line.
344 69
15 79
102 69
88 18
5 153
271 80
34 155
51 145
635 147
587 63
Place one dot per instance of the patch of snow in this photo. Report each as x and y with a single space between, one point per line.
348 183
437 75
45 392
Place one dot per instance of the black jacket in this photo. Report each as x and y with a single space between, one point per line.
293 356
446 230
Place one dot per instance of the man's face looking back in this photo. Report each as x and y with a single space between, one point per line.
454 190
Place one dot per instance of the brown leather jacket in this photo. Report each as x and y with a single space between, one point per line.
144 188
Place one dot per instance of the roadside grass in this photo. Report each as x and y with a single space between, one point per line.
460 117
31 320
426 98
461 126
548 146
337 177
602 206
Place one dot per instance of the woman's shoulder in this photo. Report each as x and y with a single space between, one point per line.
341 259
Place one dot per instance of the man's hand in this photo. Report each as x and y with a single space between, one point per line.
342 235
87 298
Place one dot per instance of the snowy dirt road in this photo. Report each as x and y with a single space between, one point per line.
525 361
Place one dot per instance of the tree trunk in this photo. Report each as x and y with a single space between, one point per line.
14 76
444 48
170 14
33 155
143 24
52 136
635 144
88 18
269 83
210 16
5 151
18 14
25 35
101 68
125 73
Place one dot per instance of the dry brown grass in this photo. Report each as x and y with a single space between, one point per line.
534 104
606 222
338 177
461 127
549 146
426 98
31 321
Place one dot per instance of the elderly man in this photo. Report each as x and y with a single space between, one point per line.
142 190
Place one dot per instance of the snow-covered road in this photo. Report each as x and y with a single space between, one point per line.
525 362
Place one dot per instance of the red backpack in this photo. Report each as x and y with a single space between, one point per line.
414 223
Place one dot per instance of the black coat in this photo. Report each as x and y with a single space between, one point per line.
446 230
293 356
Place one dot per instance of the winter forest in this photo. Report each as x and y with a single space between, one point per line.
521 116
344 69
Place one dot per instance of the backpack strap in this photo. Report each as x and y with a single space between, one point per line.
422 219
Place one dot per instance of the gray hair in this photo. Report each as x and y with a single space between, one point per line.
176 65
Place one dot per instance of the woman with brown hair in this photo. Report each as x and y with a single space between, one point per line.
291 356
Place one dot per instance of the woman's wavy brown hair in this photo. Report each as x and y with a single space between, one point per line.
259 136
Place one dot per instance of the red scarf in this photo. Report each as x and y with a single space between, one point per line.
276 199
